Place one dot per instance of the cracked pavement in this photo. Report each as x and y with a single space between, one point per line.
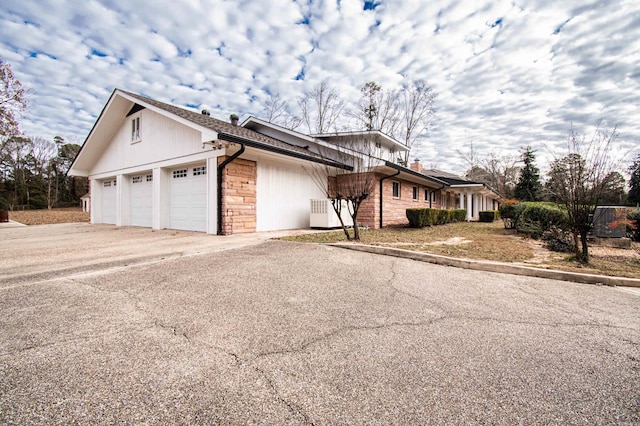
199 329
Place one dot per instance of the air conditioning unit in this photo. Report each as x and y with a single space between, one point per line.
324 216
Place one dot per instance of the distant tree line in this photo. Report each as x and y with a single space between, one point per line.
33 170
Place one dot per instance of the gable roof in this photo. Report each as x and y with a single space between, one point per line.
226 131
121 102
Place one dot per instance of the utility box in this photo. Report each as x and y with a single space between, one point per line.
609 222
324 216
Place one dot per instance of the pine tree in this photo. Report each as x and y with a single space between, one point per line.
529 185
634 182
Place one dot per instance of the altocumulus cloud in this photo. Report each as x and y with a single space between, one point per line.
507 74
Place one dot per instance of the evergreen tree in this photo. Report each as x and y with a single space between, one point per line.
529 185
634 182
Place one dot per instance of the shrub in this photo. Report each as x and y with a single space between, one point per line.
534 218
419 218
633 228
558 239
507 209
489 215
458 215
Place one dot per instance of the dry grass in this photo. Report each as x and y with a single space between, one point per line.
45 217
489 241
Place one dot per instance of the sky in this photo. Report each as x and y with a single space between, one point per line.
507 74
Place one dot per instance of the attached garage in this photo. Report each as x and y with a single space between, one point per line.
188 198
141 200
284 194
108 201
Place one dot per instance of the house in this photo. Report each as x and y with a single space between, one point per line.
155 165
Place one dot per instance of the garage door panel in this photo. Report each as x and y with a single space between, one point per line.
188 199
141 195
108 201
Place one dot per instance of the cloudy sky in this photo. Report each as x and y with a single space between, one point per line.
507 74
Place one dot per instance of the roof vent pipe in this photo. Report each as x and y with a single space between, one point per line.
234 119
206 112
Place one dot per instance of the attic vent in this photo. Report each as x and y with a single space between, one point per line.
135 108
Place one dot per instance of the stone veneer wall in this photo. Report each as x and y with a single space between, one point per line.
239 196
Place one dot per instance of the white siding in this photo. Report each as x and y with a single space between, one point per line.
161 139
283 196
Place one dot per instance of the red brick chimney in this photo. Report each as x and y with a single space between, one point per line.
416 166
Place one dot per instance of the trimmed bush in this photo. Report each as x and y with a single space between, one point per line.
489 215
458 215
507 209
419 218
534 218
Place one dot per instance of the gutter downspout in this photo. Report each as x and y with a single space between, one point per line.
437 190
386 177
221 167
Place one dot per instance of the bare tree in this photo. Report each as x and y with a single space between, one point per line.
377 109
579 179
276 110
348 174
416 104
498 172
12 100
320 108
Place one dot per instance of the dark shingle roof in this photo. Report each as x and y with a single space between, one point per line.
228 129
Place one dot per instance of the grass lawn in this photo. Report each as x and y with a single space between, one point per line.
44 217
489 241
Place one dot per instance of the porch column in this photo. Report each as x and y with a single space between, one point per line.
461 205
469 205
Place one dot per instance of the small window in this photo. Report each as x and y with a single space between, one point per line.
415 193
149 178
107 184
197 171
179 173
426 195
135 129
136 179
396 189
434 196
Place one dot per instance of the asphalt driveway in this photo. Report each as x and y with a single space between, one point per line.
102 325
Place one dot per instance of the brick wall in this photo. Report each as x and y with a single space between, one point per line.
239 196
394 210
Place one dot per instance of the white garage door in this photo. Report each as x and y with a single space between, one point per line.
141 194
283 194
188 198
108 201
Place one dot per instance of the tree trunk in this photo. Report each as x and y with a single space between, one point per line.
584 258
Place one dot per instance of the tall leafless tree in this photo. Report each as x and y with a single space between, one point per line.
416 113
320 108
276 110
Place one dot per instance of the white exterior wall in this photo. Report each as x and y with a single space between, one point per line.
164 145
283 199
161 139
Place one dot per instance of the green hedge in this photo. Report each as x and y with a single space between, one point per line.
533 218
489 215
419 218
